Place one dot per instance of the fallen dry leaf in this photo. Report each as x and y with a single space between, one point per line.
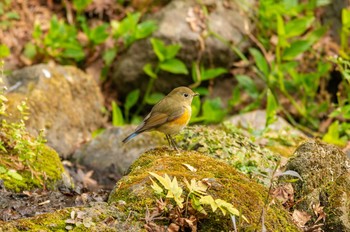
318 210
301 217
284 193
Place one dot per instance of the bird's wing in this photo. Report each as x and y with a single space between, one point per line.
158 117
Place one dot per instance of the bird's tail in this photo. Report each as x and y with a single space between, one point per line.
131 136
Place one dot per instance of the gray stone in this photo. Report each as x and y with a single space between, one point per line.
62 100
107 154
325 170
228 21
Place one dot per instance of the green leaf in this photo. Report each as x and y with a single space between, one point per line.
30 50
99 34
157 189
4 51
171 51
80 5
117 116
12 15
2 170
196 106
213 112
297 27
109 55
75 52
248 84
333 136
271 108
260 61
14 174
145 29
154 98
295 49
97 132
173 66
194 71
345 13
209 200
159 48
196 187
225 206
211 73
149 71
131 98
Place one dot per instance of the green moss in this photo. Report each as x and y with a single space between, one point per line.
45 169
92 218
226 184
227 143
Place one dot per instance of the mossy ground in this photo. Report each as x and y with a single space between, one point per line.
226 183
43 170
98 217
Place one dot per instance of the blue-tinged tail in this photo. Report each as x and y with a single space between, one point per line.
131 136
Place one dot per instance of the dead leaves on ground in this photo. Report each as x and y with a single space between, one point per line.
307 222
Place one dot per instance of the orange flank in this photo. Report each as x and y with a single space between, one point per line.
183 119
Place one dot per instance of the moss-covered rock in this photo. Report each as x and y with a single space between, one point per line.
98 217
63 100
227 143
43 170
226 184
325 172
279 137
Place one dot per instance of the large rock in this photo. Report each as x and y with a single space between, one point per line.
225 18
227 143
325 170
139 198
279 136
62 100
107 155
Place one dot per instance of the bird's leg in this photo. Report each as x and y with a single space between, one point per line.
167 138
174 145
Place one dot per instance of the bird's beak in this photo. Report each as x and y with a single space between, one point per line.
195 94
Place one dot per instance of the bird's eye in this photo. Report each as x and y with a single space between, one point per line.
185 94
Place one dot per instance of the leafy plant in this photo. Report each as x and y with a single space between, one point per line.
197 197
14 138
130 30
59 43
345 33
166 62
339 131
294 30
117 116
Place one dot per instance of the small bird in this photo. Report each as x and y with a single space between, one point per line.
170 115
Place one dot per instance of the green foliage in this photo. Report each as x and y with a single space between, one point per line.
130 30
117 116
166 62
294 29
212 111
200 73
166 56
196 198
96 35
339 131
15 141
345 33
80 5
7 14
4 51
60 42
